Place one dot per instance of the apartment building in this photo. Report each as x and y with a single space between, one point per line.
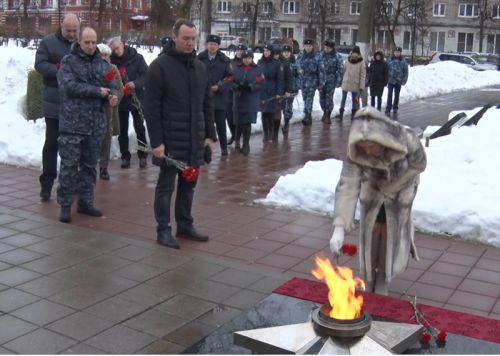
447 26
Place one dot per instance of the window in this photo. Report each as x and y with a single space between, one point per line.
315 7
495 11
468 10
439 10
334 9
407 40
387 8
264 33
139 4
224 6
291 7
355 7
108 24
129 4
465 42
118 24
78 3
354 37
50 4
383 39
437 41
246 7
267 7
334 34
287 32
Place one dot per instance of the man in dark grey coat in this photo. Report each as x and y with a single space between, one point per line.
48 58
179 114
85 87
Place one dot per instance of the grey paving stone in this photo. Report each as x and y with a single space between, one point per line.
19 256
51 246
120 340
7 219
42 312
148 295
162 347
12 328
115 309
4 265
268 284
237 278
40 341
155 322
6 247
211 291
48 264
5 351
166 261
111 284
219 315
82 349
79 297
133 253
105 244
139 272
245 299
80 326
23 239
190 333
186 306
107 263
25 225
50 231
11 299
201 268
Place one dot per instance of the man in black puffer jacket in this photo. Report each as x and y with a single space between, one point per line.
47 62
179 114
218 68
132 67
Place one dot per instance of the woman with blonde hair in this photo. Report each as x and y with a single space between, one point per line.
113 121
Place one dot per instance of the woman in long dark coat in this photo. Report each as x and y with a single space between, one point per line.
378 75
247 83
273 88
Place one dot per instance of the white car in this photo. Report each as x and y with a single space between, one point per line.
468 59
230 42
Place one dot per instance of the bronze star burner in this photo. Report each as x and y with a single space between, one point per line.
324 325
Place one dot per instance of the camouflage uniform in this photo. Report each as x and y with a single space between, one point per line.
291 86
82 124
334 71
311 77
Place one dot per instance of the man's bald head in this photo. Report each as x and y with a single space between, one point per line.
70 27
88 41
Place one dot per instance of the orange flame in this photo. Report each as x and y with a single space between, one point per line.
345 304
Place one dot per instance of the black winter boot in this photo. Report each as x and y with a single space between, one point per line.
353 112
265 128
65 215
89 210
237 145
307 121
276 130
284 129
247 129
165 238
46 190
340 116
327 119
323 118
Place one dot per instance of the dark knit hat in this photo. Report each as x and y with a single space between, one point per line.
213 38
241 47
308 41
247 53
356 49
286 47
329 43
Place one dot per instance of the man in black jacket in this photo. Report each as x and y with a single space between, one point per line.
218 68
48 58
132 67
179 114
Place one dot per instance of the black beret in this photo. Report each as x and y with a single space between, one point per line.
268 46
329 43
308 41
286 47
242 47
213 38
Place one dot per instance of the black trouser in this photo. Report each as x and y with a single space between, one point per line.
140 131
230 116
183 200
49 152
396 88
220 125
379 101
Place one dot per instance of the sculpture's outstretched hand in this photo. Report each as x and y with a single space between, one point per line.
337 240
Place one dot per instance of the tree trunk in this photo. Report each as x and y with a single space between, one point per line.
254 23
206 23
365 27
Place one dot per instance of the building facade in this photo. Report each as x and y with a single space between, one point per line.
441 25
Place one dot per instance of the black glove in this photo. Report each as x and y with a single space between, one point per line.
246 85
207 155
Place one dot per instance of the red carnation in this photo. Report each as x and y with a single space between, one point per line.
353 249
258 79
345 248
442 336
425 339
127 91
58 65
110 75
191 174
247 68
229 78
122 71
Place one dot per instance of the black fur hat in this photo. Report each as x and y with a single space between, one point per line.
329 43
308 41
286 47
213 38
242 47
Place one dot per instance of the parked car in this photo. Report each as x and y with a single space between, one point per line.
278 41
484 57
230 42
469 60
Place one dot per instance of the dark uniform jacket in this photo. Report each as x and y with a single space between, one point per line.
247 83
378 75
218 68
178 106
80 80
274 84
135 71
288 74
48 58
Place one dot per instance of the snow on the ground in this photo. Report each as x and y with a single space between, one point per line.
458 192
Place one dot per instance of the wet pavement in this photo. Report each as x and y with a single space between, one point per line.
103 284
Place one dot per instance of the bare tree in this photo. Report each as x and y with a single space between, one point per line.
485 14
389 13
320 13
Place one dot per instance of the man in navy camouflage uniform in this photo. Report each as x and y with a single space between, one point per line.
334 70
398 75
311 77
84 87
291 84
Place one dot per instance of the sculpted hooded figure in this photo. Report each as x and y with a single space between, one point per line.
382 169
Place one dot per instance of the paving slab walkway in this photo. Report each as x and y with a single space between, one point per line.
103 284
